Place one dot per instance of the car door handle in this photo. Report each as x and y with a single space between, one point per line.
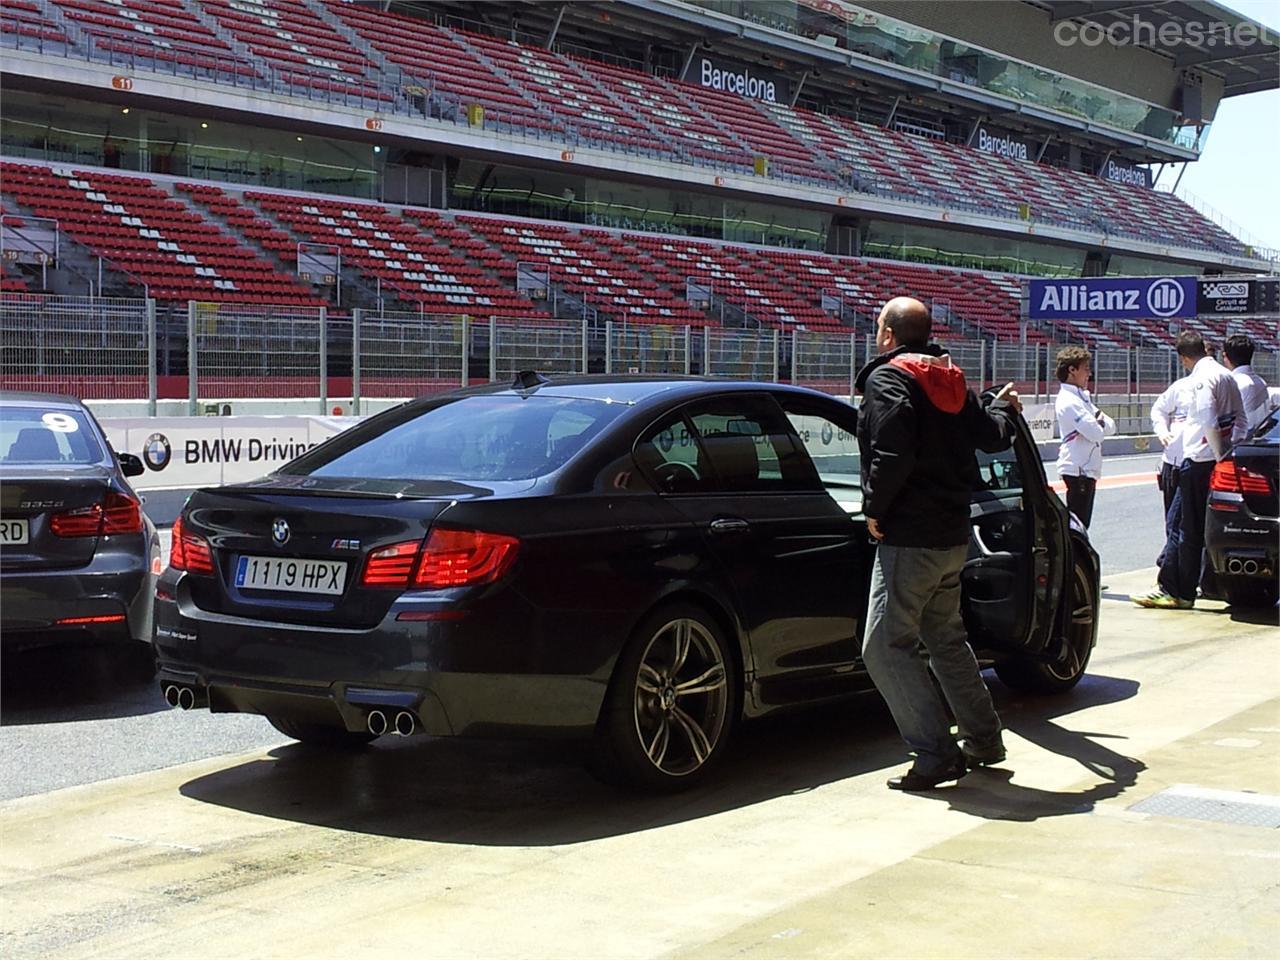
729 525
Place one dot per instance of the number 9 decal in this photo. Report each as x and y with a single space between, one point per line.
60 422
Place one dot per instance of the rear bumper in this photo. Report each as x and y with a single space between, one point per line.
491 673
1240 544
32 602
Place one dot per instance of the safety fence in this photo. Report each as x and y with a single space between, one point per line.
211 354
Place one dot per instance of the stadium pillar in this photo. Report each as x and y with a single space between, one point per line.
893 111
706 351
356 316
493 349
151 358
795 97
586 368
555 27
688 349
777 353
1043 147
192 394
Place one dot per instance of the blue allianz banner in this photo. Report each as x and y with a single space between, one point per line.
1113 298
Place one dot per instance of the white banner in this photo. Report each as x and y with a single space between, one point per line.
181 452
1042 419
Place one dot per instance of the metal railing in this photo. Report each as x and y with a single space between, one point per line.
211 354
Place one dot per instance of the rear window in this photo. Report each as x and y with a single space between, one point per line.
40 435
472 439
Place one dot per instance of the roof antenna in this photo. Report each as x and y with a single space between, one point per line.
529 380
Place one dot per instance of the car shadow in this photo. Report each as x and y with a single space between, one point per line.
63 684
507 793
1259 616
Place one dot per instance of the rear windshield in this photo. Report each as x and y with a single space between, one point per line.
474 438
39 435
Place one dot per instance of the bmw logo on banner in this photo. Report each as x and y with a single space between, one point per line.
1163 298
156 452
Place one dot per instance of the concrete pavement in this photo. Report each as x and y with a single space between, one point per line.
453 849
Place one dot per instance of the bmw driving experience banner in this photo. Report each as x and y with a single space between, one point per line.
1112 298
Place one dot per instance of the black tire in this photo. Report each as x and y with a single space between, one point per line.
321 735
668 715
1039 676
1248 591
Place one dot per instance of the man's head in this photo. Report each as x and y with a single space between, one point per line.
1074 366
1238 351
904 322
1190 347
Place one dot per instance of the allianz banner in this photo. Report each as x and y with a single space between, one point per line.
1222 297
758 83
1112 298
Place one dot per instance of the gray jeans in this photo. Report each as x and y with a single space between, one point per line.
915 598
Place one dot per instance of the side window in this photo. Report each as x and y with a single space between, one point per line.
731 445
832 448
999 472
670 454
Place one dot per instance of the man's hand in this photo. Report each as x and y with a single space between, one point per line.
873 528
1165 439
1010 396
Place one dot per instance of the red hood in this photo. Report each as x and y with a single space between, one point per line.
942 382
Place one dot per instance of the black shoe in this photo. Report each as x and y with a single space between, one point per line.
983 757
913 782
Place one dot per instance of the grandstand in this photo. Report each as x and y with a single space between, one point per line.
784 165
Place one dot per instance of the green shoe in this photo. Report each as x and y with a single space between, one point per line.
1159 600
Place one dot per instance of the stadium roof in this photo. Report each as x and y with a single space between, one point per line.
1247 62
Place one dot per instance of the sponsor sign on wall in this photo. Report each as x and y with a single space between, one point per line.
758 83
1112 298
1003 145
1226 297
1042 419
207 451
1118 171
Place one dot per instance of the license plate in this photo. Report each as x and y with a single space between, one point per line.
291 575
13 531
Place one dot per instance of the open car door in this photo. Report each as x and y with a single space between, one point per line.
1019 552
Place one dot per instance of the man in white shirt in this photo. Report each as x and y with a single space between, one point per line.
1081 425
1237 355
1168 414
1215 423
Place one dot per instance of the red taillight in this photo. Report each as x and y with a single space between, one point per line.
391 566
456 558
1230 477
189 552
119 514
449 558
85 621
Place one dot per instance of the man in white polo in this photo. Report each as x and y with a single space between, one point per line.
1082 427
1215 423
1237 356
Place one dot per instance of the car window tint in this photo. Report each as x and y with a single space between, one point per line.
670 455
999 472
37 435
833 450
748 447
472 438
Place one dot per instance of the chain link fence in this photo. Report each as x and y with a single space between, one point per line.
741 355
214 354
248 351
548 346
402 355
647 348
87 347
824 361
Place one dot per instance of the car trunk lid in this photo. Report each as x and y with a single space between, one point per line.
31 496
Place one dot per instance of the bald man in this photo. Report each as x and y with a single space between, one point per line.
917 431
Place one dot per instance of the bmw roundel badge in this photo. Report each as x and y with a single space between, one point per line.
156 452
280 531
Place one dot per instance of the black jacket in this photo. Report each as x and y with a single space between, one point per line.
918 427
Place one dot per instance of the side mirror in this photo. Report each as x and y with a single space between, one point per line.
131 465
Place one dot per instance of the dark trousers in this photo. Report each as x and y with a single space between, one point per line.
1080 491
1167 481
1180 571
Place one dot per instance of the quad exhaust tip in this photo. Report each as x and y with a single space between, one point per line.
405 724
171 696
377 722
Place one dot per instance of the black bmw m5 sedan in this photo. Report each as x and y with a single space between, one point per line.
641 562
